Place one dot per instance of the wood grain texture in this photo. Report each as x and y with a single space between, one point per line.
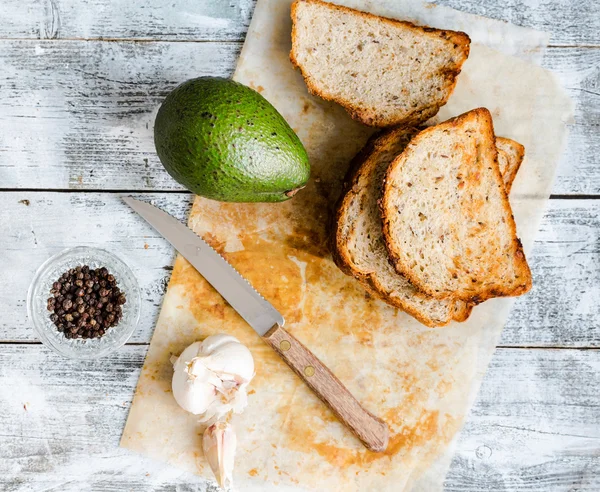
542 393
566 281
62 421
561 310
371 430
38 225
570 22
79 115
199 20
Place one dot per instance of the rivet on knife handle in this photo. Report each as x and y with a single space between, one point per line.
372 431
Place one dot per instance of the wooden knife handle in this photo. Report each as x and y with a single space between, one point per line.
372 431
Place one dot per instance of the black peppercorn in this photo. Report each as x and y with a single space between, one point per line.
85 302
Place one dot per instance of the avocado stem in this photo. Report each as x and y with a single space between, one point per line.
291 193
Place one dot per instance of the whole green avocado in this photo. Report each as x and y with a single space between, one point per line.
224 141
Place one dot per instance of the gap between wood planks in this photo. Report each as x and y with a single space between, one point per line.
158 40
191 40
498 347
186 192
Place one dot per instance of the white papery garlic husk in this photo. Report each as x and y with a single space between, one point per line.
211 377
219 443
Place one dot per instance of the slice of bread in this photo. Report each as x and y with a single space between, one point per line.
357 236
447 223
383 71
510 157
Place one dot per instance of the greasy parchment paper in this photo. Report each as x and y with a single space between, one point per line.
421 381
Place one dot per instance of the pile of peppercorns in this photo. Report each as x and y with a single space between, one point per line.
85 302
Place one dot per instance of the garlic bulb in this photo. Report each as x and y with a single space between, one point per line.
210 378
219 442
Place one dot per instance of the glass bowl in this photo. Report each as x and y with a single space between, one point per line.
39 292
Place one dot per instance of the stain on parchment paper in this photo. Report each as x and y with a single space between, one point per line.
390 362
419 380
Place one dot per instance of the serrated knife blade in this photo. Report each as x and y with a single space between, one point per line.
237 291
268 323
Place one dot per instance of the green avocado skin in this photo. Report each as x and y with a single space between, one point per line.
224 141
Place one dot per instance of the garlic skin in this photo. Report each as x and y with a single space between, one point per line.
219 443
211 377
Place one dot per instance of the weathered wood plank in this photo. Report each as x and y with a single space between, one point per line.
80 114
579 72
562 310
38 225
562 307
534 426
570 22
62 421
197 20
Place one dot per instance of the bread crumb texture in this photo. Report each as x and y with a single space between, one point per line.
383 71
447 223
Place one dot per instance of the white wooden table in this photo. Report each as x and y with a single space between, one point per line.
80 81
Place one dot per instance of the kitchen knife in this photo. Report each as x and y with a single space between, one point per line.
268 323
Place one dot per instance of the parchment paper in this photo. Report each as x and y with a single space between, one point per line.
421 381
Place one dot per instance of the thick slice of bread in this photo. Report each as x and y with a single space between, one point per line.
447 223
510 157
357 237
382 71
